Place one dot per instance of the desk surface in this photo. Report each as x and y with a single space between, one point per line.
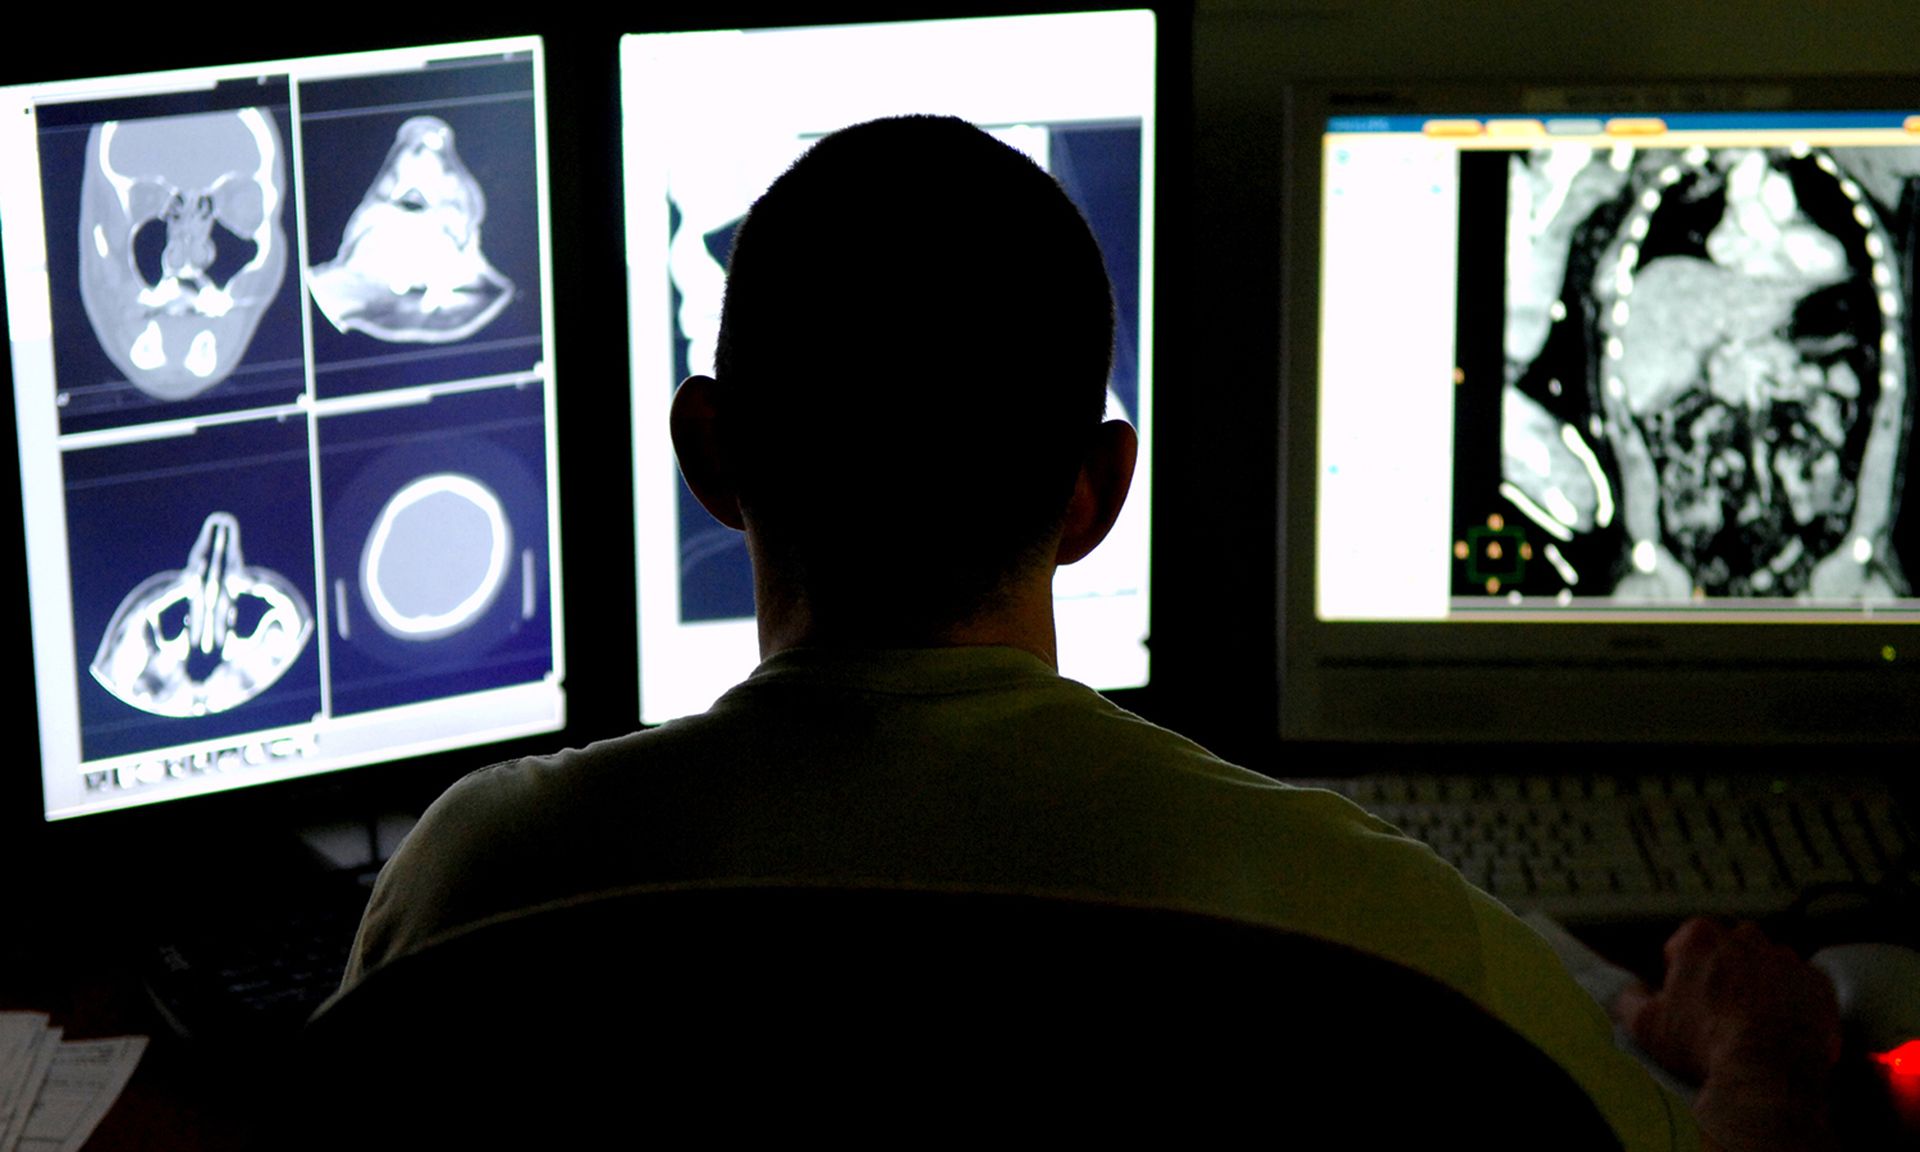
86 978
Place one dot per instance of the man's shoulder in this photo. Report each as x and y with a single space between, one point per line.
529 777
553 776
511 835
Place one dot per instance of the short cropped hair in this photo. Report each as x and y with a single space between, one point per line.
918 329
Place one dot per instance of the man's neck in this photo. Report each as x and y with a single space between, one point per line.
1023 619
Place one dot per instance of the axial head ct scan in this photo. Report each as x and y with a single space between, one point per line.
436 558
208 637
181 243
409 268
1745 370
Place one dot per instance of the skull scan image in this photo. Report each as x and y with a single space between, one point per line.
181 243
1742 369
409 268
436 558
206 638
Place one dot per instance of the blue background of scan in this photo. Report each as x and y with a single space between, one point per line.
1099 166
135 510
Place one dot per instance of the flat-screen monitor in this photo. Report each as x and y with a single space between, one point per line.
710 119
283 381
1599 413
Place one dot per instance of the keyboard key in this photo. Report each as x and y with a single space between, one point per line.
1509 879
1857 845
1887 831
1553 882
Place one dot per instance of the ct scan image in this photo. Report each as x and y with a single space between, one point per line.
410 268
436 555
246 624
422 226
192 576
1702 386
170 234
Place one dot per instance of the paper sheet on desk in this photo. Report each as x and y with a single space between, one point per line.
21 1037
53 1093
84 1081
1604 981
26 1079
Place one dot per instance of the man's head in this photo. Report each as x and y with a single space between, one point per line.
911 373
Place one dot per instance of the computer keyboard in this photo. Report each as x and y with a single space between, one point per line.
1596 848
253 979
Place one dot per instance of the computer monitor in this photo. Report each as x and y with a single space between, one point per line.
704 137
283 383
1598 415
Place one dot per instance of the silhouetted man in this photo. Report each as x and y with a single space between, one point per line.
906 421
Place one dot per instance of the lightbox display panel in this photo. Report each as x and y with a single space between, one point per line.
282 356
703 139
1600 415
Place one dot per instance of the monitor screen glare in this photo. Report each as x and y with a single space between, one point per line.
282 358
1645 368
702 141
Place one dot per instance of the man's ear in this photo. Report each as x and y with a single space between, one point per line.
703 442
1100 490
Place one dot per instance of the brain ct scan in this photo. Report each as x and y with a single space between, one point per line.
436 558
1707 388
181 243
436 571
410 268
207 637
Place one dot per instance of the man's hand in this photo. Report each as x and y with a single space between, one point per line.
1752 1024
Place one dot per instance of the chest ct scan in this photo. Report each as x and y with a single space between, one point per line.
1729 319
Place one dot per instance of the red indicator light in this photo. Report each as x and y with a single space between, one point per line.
1903 1060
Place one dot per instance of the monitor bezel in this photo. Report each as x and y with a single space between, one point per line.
1487 682
1165 692
277 805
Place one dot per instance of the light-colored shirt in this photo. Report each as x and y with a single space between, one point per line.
983 767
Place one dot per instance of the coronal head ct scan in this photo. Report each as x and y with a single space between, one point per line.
1675 362
280 519
181 242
